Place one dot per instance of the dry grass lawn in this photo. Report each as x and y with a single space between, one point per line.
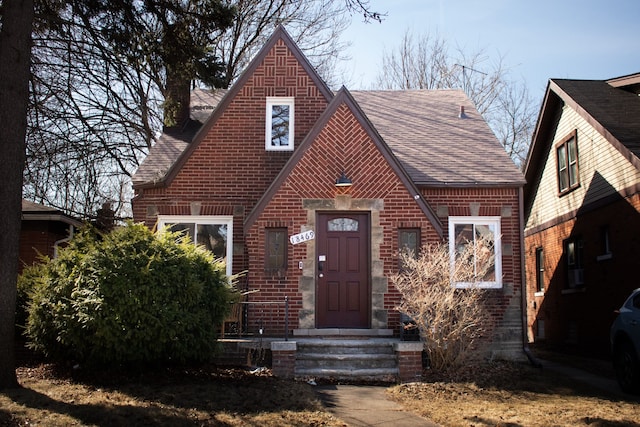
513 395
501 394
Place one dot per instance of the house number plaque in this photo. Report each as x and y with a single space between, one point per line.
302 237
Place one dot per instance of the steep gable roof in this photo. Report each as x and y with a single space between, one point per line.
611 110
185 141
436 144
173 142
345 97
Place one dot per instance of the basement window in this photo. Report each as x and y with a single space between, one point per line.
279 129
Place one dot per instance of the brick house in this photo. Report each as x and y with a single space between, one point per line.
582 205
313 193
43 230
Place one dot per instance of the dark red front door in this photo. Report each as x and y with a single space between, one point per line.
342 270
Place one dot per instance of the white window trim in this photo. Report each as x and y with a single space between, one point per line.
479 220
163 220
271 101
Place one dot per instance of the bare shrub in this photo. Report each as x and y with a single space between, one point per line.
451 318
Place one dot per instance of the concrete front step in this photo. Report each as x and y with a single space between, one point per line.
371 374
362 358
347 346
339 361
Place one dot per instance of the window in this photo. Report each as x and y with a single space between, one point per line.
467 230
573 252
408 241
279 124
567 158
539 270
342 224
276 249
605 244
213 232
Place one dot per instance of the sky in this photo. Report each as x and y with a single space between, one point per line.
537 39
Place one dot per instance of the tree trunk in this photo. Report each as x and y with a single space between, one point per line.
15 60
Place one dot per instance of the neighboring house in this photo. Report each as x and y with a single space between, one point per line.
42 231
350 178
582 232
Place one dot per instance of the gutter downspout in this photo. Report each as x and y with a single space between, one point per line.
523 288
65 240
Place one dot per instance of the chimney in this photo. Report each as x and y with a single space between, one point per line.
462 115
176 100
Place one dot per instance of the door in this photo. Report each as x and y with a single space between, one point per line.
342 270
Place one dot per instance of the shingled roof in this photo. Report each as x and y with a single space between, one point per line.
173 142
439 138
435 144
615 109
612 107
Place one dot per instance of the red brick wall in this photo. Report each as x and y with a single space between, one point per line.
580 320
504 304
38 238
230 169
343 144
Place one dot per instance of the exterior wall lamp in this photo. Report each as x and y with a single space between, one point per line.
343 181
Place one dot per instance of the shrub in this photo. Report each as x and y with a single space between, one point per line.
450 320
128 297
27 280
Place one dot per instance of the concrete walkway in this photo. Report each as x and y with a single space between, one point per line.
364 405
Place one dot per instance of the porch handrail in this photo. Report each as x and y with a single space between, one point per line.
286 311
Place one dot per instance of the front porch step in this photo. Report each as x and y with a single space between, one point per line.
362 359
366 375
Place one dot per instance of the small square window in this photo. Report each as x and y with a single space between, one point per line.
279 129
567 160
276 249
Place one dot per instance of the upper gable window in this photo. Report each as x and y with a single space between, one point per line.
279 124
567 159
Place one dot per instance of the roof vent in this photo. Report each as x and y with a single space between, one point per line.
462 115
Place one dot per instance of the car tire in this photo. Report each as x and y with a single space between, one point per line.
627 367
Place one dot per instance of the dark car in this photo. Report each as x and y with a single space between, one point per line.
625 344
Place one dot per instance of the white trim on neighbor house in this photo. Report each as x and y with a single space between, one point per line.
286 142
493 222
227 221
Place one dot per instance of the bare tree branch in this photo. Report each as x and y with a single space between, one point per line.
426 62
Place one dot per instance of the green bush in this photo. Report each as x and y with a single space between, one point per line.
29 278
127 298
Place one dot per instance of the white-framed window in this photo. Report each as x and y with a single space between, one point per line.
279 129
465 230
213 232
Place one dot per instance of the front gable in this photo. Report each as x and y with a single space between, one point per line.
606 165
343 140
